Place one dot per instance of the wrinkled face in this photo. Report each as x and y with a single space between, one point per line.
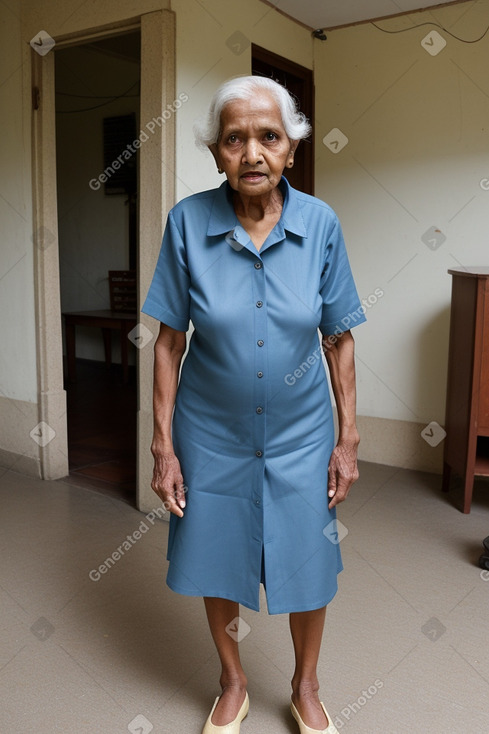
253 148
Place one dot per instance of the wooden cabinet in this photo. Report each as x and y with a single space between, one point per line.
466 451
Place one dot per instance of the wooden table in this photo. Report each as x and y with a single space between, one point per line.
106 320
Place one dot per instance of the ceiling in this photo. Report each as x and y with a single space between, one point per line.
334 13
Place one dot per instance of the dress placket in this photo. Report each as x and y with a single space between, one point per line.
260 348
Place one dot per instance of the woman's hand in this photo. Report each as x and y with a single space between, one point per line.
167 477
342 471
168 481
339 350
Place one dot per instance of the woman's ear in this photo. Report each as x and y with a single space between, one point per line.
215 153
293 145
293 148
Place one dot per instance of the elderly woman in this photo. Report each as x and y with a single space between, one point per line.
244 442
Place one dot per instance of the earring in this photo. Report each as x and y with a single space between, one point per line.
219 170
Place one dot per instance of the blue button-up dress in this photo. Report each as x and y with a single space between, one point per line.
253 425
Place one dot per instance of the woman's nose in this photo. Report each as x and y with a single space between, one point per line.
252 153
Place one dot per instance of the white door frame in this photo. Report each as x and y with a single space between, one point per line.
156 197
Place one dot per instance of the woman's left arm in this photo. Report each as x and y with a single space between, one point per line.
343 471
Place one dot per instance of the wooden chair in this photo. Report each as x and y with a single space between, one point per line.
122 316
122 289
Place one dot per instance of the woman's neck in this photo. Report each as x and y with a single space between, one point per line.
257 208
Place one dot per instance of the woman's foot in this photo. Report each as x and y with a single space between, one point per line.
229 704
306 701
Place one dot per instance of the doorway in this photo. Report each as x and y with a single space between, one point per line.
299 82
156 186
97 94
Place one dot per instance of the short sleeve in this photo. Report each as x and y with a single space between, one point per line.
341 309
168 297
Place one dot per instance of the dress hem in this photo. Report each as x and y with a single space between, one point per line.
219 594
255 608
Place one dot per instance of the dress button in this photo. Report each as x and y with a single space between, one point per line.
258 453
259 304
259 410
259 374
260 342
257 502
257 266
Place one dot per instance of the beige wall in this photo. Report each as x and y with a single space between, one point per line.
213 44
417 152
18 375
18 378
61 18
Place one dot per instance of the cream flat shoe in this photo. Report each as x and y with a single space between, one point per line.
233 726
331 728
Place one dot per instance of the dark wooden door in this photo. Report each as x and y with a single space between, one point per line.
299 82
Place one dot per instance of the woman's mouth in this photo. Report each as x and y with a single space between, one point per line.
253 176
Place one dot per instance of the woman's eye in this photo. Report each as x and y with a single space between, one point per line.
270 136
232 138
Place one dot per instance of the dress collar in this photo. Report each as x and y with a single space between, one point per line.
223 217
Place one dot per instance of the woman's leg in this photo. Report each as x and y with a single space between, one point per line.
307 631
220 612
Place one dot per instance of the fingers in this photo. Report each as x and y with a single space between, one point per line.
332 478
335 484
171 504
168 498
340 492
180 493
167 481
342 473
168 484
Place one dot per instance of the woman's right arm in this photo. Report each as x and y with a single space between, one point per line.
167 477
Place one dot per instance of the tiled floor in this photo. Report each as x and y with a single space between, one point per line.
406 644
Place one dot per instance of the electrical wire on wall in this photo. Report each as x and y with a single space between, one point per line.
437 25
109 99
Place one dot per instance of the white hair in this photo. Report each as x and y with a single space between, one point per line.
295 123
